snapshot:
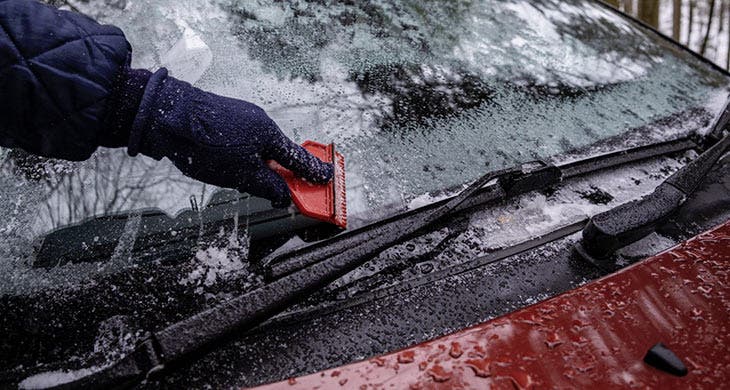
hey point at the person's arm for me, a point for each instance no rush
(66, 87)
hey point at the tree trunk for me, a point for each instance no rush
(677, 20)
(649, 12)
(690, 21)
(612, 3)
(629, 7)
(721, 18)
(703, 48)
(727, 63)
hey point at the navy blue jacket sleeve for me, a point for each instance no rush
(58, 71)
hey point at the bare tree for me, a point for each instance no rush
(677, 20)
(108, 183)
(723, 3)
(690, 22)
(727, 63)
(629, 6)
(711, 12)
(649, 12)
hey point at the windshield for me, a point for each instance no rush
(419, 96)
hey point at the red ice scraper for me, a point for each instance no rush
(324, 202)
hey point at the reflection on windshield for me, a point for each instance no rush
(420, 96)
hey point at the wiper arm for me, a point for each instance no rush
(179, 340)
(527, 177)
(171, 345)
(616, 228)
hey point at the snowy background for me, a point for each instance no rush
(701, 25)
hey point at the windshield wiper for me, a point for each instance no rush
(528, 177)
(179, 340)
(616, 228)
(328, 261)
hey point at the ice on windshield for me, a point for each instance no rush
(419, 97)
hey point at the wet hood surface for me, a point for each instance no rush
(318, 340)
(594, 336)
(418, 112)
(418, 290)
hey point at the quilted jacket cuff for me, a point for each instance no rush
(123, 105)
(147, 104)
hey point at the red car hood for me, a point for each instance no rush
(593, 336)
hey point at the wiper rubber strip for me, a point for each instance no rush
(320, 264)
(176, 342)
(529, 177)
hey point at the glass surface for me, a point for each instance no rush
(420, 96)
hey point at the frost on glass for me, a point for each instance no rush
(424, 96)
(420, 96)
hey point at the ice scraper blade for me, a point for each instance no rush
(324, 202)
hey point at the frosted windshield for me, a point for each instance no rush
(419, 96)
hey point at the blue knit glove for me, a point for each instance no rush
(222, 141)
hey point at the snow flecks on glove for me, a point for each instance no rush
(225, 142)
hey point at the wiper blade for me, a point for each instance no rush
(616, 228)
(179, 340)
(169, 346)
(537, 173)
(528, 177)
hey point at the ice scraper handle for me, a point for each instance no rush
(218, 140)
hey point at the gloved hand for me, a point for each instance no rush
(218, 140)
